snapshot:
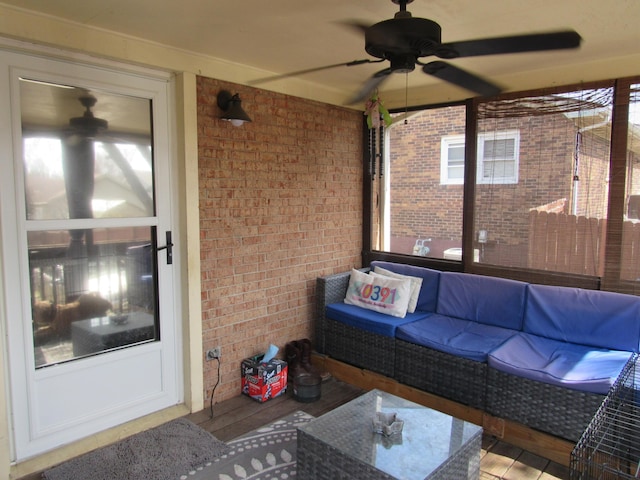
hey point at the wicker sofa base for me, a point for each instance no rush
(449, 376)
(556, 410)
(559, 411)
(359, 347)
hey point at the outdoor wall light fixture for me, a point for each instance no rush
(230, 105)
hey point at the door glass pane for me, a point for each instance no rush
(92, 290)
(87, 154)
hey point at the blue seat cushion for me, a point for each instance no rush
(428, 297)
(369, 320)
(568, 365)
(588, 317)
(459, 337)
(490, 300)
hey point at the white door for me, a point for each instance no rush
(88, 271)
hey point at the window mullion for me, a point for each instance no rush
(469, 191)
(617, 192)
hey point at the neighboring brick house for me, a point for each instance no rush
(424, 203)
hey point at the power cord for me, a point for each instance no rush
(213, 391)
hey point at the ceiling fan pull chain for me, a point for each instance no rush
(406, 98)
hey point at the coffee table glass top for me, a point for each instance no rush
(428, 439)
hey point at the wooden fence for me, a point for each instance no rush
(566, 243)
(575, 244)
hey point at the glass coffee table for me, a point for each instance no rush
(342, 444)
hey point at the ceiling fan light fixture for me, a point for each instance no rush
(88, 125)
(232, 108)
(402, 63)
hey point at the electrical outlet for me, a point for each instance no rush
(213, 353)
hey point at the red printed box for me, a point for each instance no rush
(262, 381)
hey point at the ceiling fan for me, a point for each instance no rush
(404, 40)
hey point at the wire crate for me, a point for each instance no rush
(610, 446)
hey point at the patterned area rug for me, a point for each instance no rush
(267, 453)
(162, 453)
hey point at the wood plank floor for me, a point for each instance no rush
(241, 414)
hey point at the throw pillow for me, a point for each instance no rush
(416, 285)
(379, 293)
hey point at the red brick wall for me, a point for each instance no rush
(280, 204)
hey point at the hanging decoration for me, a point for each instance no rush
(378, 118)
(376, 112)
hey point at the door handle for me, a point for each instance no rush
(168, 247)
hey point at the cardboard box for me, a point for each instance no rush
(262, 381)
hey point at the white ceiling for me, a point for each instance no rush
(281, 36)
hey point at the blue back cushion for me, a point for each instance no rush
(588, 317)
(489, 300)
(428, 298)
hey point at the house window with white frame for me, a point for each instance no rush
(452, 160)
(498, 155)
(497, 163)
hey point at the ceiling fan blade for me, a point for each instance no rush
(462, 78)
(355, 25)
(258, 81)
(370, 85)
(512, 44)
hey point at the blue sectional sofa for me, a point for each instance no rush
(540, 355)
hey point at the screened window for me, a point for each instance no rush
(630, 258)
(556, 195)
(554, 217)
(422, 184)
